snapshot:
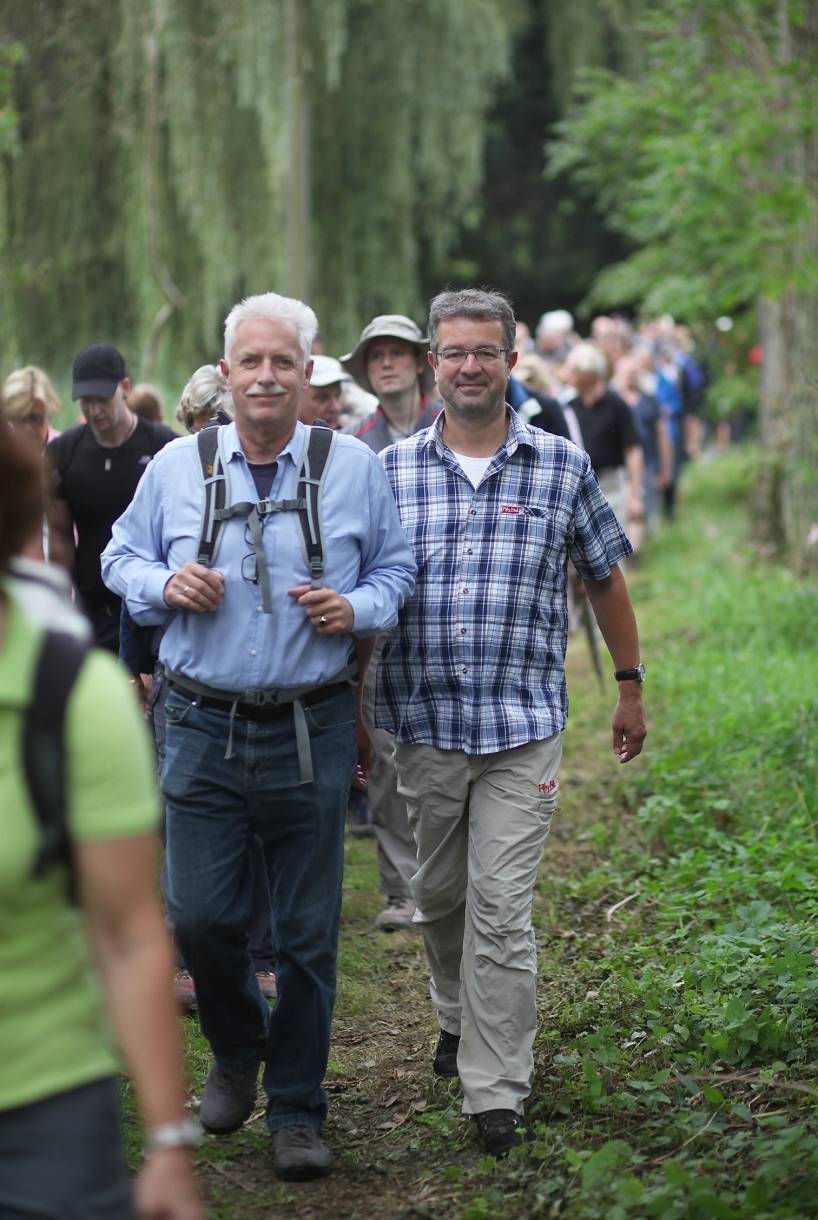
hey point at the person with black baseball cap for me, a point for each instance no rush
(96, 465)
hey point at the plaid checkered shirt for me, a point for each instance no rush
(476, 662)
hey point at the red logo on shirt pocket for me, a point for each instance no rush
(523, 510)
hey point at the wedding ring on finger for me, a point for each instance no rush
(186, 591)
(323, 620)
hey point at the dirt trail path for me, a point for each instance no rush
(402, 1150)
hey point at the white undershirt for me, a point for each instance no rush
(473, 467)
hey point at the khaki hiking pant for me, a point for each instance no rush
(397, 854)
(480, 823)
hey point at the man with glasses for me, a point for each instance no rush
(260, 717)
(390, 362)
(472, 686)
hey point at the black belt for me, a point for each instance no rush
(266, 713)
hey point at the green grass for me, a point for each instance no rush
(677, 929)
(677, 1075)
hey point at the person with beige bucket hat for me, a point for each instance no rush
(390, 361)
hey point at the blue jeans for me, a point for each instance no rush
(214, 808)
(61, 1157)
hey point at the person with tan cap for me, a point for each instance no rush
(390, 361)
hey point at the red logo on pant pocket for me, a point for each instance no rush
(544, 789)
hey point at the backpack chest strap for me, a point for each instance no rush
(255, 514)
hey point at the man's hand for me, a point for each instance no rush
(195, 588)
(364, 755)
(328, 611)
(629, 728)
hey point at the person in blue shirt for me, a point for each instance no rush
(261, 720)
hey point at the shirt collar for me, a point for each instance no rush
(517, 435)
(294, 449)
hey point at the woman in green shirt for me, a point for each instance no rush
(59, 1142)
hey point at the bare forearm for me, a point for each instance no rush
(635, 466)
(136, 968)
(613, 611)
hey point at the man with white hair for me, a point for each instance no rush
(555, 335)
(261, 725)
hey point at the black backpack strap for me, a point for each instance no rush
(215, 494)
(310, 475)
(44, 762)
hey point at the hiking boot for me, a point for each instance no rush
(228, 1099)
(500, 1131)
(299, 1154)
(445, 1060)
(396, 914)
(184, 991)
(266, 983)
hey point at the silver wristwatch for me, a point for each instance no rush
(186, 1133)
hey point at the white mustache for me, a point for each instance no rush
(267, 392)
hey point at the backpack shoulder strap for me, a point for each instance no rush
(44, 762)
(313, 468)
(215, 493)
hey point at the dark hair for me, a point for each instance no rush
(22, 499)
(146, 402)
(482, 304)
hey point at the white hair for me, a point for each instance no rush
(555, 322)
(206, 389)
(278, 309)
(587, 358)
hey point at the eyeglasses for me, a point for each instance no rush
(453, 357)
(249, 563)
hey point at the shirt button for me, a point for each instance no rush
(252, 652)
(469, 551)
(472, 512)
(465, 590)
(465, 669)
(258, 609)
(462, 630)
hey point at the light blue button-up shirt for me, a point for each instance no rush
(237, 646)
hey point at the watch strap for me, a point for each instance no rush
(186, 1133)
(636, 674)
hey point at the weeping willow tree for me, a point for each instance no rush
(173, 155)
(585, 34)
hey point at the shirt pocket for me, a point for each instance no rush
(534, 534)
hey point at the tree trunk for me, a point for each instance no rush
(786, 502)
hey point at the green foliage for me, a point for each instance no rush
(156, 140)
(694, 158)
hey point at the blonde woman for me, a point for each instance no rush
(28, 401)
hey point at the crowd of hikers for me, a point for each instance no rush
(339, 592)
